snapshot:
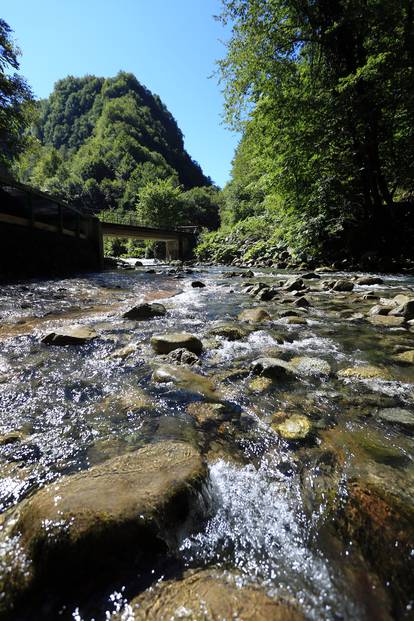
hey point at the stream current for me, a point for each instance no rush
(269, 517)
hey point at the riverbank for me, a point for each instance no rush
(284, 415)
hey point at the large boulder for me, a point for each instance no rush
(145, 311)
(73, 335)
(164, 343)
(126, 509)
(209, 595)
(405, 310)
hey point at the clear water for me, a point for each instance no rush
(266, 522)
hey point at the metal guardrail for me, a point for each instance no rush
(129, 220)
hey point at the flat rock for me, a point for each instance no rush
(398, 416)
(366, 372)
(126, 508)
(74, 335)
(210, 595)
(164, 343)
(145, 311)
(273, 368)
(369, 280)
(254, 315)
(387, 320)
(305, 365)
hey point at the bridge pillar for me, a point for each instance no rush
(172, 250)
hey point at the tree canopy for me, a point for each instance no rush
(100, 141)
(323, 92)
(14, 94)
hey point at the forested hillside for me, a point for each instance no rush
(323, 92)
(99, 141)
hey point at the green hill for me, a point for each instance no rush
(99, 141)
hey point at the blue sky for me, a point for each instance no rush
(170, 45)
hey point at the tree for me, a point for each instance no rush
(14, 94)
(161, 204)
(323, 92)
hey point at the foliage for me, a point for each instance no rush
(15, 98)
(323, 93)
(103, 143)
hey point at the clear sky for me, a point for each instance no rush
(170, 45)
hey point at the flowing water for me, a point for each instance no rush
(271, 502)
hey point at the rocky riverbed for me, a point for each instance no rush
(185, 442)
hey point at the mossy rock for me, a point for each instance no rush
(365, 373)
(296, 427)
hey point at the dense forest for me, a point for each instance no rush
(324, 94)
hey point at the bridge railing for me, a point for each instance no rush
(114, 217)
(22, 205)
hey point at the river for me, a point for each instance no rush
(278, 507)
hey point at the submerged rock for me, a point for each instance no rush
(296, 427)
(183, 356)
(260, 384)
(273, 368)
(367, 372)
(124, 352)
(74, 335)
(254, 315)
(210, 595)
(190, 381)
(207, 414)
(397, 416)
(145, 311)
(126, 509)
(165, 343)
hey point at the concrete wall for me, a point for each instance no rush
(27, 252)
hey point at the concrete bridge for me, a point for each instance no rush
(42, 235)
